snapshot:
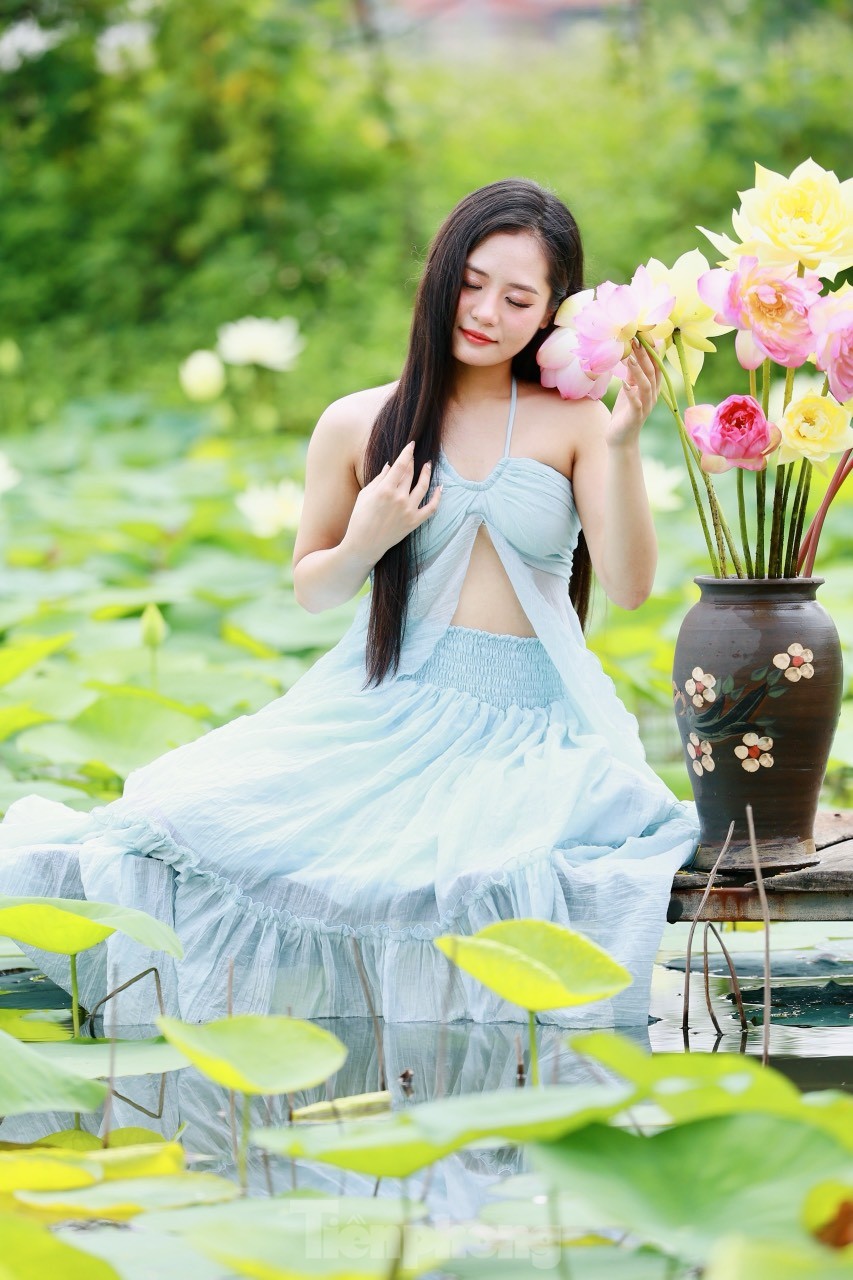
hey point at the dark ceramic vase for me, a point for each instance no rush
(757, 685)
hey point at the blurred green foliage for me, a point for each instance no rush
(276, 157)
(267, 157)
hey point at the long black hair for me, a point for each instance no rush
(417, 407)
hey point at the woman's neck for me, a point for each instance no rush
(473, 384)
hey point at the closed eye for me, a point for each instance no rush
(521, 305)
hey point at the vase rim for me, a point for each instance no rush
(709, 580)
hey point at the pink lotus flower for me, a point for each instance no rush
(734, 434)
(558, 360)
(768, 305)
(831, 321)
(607, 326)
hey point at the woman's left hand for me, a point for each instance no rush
(636, 397)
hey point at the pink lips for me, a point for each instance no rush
(473, 336)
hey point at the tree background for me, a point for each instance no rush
(168, 166)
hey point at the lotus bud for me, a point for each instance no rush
(153, 626)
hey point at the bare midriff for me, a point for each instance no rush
(487, 599)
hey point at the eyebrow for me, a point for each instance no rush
(527, 288)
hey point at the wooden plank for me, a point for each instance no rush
(833, 874)
(822, 892)
(832, 826)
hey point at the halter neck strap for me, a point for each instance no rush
(512, 404)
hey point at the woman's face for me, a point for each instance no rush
(504, 298)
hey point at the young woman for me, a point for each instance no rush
(459, 757)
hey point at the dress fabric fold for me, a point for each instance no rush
(323, 842)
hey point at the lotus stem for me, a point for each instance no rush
(690, 455)
(809, 547)
(773, 557)
(75, 997)
(760, 520)
(720, 525)
(780, 497)
(795, 529)
(761, 476)
(744, 536)
(243, 1161)
(534, 1053)
(765, 386)
(678, 339)
(751, 566)
(765, 915)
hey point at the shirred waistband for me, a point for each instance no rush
(502, 669)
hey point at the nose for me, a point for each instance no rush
(484, 310)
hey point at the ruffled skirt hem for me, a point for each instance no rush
(306, 967)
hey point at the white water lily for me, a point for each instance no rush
(9, 477)
(26, 41)
(125, 46)
(662, 485)
(273, 344)
(690, 314)
(202, 375)
(270, 508)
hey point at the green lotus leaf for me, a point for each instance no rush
(124, 1198)
(537, 964)
(304, 1207)
(68, 926)
(31, 1082)
(695, 1085)
(98, 1059)
(739, 1258)
(14, 719)
(682, 1189)
(82, 1140)
(21, 655)
(140, 1254)
(123, 730)
(346, 1251)
(399, 1145)
(31, 1252)
(518, 1115)
(45, 1170)
(20, 1024)
(258, 1054)
(536, 1254)
(385, 1147)
(132, 1136)
(70, 1140)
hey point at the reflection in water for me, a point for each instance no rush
(455, 1059)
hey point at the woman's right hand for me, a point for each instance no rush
(388, 508)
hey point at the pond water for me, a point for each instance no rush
(424, 1060)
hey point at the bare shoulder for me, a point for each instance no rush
(559, 430)
(345, 424)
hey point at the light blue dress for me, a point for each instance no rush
(323, 842)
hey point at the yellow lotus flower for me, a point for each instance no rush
(807, 217)
(813, 427)
(693, 317)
